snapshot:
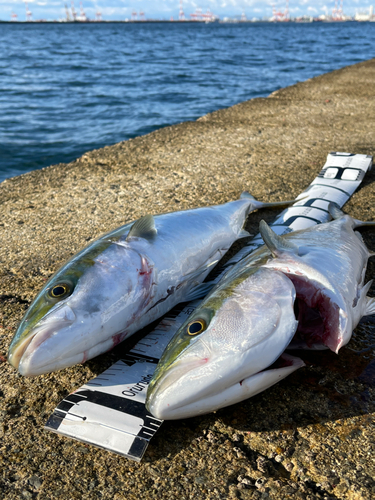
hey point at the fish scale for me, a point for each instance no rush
(123, 281)
(308, 284)
(122, 431)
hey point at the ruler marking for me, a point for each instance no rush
(75, 398)
(154, 418)
(334, 187)
(137, 363)
(77, 416)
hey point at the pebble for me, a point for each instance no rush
(35, 481)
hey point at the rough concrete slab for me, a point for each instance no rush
(312, 435)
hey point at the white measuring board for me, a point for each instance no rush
(109, 411)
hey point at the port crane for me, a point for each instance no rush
(74, 13)
(29, 16)
(67, 13)
(278, 16)
(337, 11)
(198, 15)
(181, 15)
(82, 14)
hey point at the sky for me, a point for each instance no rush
(165, 9)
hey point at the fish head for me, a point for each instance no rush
(241, 328)
(47, 314)
(82, 311)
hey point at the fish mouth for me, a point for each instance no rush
(15, 354)
(240, 390)
(22, 354)
(166, 380)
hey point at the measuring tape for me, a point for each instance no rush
(109, 411)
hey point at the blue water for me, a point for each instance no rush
(69, 88)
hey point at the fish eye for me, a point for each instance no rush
(60, 291)
(196, 326)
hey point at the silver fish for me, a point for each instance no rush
(123, 281)
(308, 284)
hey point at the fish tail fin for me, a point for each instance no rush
(263, 204)
(360, 223)
(336, 213)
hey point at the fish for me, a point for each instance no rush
(306, 285)
(123, 281)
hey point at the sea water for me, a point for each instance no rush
(70, 88)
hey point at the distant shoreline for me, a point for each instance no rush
(112, 21)
(177, 21)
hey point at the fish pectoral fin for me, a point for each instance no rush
(299, 344)
(370, 306)
(198, 272)
(368, 302)
(198, 292)
(143, 228)
(275, 243)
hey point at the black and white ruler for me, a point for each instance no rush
(109, 411)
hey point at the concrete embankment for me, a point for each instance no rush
(312, 435)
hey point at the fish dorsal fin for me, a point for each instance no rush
(143, 228)
(247, 196)
(275, 243)
(244, 234)
(335, 211)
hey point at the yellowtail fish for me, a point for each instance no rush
(123, 281)
(307, 284)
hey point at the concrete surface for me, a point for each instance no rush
(312, 435)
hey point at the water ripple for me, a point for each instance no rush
(66, 89)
